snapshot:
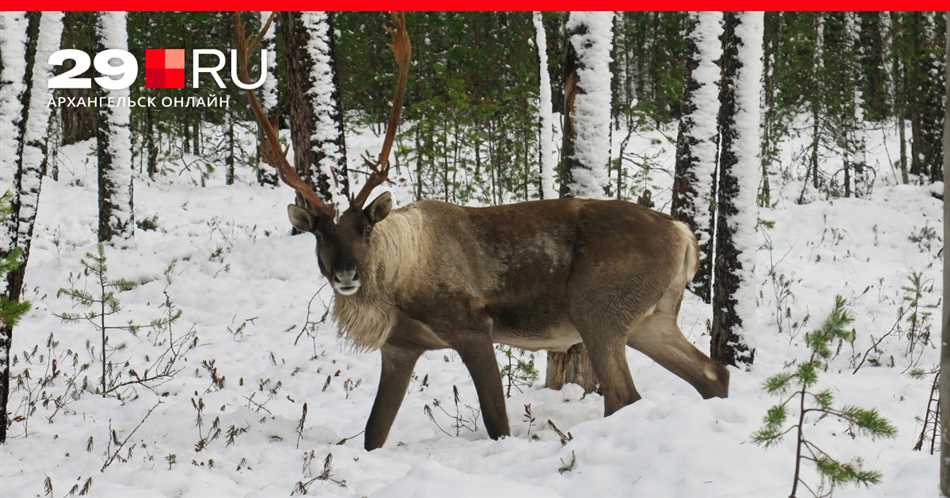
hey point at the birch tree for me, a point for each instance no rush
(734, 294)
(113, 141)
(316, 118)
(697, 142)
(585, 148)
(546, 137)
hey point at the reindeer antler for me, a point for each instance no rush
(288, 174)
(402, 52)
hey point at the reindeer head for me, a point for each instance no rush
(342, 243)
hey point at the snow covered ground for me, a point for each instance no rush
(244, 285)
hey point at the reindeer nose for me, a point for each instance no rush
(346, 276)
(346, 282)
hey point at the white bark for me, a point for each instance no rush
(547, 132)
(591, 38)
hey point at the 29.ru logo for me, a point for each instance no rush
(164, 68)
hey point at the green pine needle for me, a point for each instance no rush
(808, 373)
(869, 422)
(778, 383)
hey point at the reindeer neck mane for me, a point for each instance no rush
(398, 245)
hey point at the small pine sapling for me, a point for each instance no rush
(799, 386)
(10, 310)
(518, 370)
(919, 315)
(101, 309)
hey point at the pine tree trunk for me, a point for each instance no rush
(545, 120)
(28, 86)
(698, 140)
(872, 64)
(113, 143)
(35, 130)
(769, 147)
(229, 174)
(267, 175)
(584, 166)
(857, 148)
(316, 121)
(14, 92)
(925, 103)
(733, 296)
(151, 147)
(816, 99)
(945, 348)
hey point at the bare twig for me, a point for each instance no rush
(118, 448)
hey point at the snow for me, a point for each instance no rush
(112, 33)
(591, 37)
(748, 166)
(705, 115)
(548, 190)
(325, 106)
(236, 262)
(37, 123)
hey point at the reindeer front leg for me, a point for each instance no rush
(398, 363)
(479, 357)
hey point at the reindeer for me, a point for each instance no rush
(535, 275)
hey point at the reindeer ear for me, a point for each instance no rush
(379, 208)
(301, 219)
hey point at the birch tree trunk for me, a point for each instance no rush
(697, 141)
(113, 142)
(546, 138)
(734, 307)
(585, 149)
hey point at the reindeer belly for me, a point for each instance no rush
(556, 338)
(533, 328)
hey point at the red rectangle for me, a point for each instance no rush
(164, 68)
